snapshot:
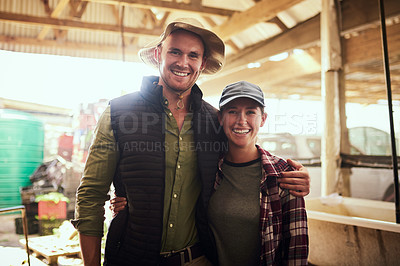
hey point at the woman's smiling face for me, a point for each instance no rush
(241, 120)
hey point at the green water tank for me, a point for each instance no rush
(21, 152)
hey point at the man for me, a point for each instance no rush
(160, 148)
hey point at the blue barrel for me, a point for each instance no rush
(21, 152)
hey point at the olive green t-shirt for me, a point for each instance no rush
(234, 214)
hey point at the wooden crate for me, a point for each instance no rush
(52, 247)
(65, 243)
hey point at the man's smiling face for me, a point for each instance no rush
(181, 59)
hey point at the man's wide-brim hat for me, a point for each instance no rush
(214, 46)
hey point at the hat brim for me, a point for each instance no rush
(214, 46)
(228, 100)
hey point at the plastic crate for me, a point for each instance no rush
(46, 226)
(31, 209)
(52, 210)
(33, 226)
(27, 195)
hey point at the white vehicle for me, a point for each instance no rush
(372, 178)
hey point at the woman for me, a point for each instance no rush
(253, 220)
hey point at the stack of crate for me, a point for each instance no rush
(70, 184)
(31, 209)
(51, 215)
(52, 211)
(28, 197)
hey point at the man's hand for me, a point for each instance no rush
(298, 181)
(117, 204)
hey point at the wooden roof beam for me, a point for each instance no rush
(115, 12)
(366, 46)
(78, 7)
(304, 35)
(374, 82)
(163, 20)
(394, 72)
(278, 23)
(307, 34)
(54, 14)
(170, 6)
(196, 3)
(212, 23)
(260, 12)
(73, 24)
(362, 14)
(269, 73)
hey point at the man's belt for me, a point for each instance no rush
(180, 257)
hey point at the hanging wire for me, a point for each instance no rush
(389, 96)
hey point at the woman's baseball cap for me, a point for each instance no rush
(241, 89)
(214, 46)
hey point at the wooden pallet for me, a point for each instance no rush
(51, 247)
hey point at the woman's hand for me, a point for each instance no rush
(298, 181)
(117, 204)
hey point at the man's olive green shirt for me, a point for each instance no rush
(182, 185)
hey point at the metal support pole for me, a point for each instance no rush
(25, 228)
(24, 224)
(389, 96)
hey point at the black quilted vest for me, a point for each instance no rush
(137, 119)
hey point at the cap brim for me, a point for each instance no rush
(226, 101)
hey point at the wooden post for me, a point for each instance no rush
(331, 68)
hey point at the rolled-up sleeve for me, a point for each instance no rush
(96, 180)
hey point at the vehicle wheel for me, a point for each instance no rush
(389, 194)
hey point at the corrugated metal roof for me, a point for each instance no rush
(300, 12)
(97, 33)
(133, 17)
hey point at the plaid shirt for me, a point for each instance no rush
(283, 218)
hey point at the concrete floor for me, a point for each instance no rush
(8, 237)
(12, 253)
